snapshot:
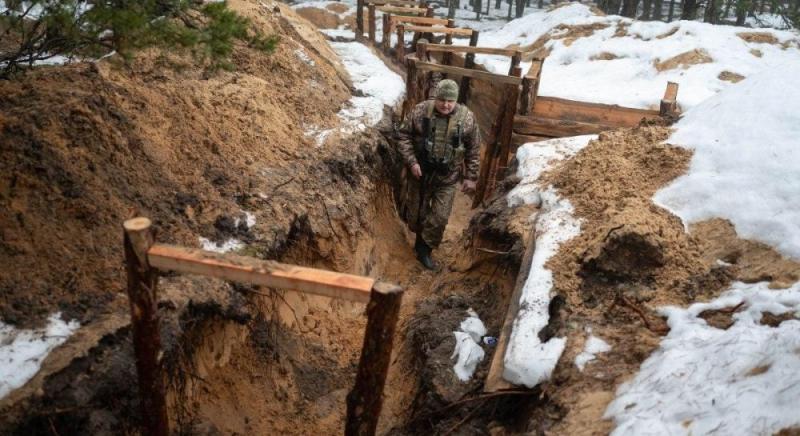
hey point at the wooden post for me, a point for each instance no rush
(371, 9)
(359, 20)
(469, 62)
(530, 88)
(515, 60)
(401, 44)
(422, 50)
(142, 281)
(447, 57)
(411, 87)
(669, 104)
(364, 402)
(387, 35)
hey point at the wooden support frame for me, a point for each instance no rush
(386, 39)
(142, 294)
(144, 259)
(530, 87)
(443, 30)
(400, 50)
(469, 63)
(470, 49)
(397, 19)
(359, 20)
(402, 10)
(464, 72)
(409, 3)
(371, 22)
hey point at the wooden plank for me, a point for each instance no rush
(371, 18)
(261, 272)
(365, 401)
(400, 49)
(535, 125)
(438, 29)
(417, 20)
(469, 63)
(669, 104)
(519, 139)
(386, 41)
(401, 10)
(609, 115)
(467, 49)
(359, 19)
(393, 3)
(494, 380)
(463, 72)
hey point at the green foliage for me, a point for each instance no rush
(41, 29)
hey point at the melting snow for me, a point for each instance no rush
(593, 346)
(226, 246)
(23, 351)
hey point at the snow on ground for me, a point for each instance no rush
(706, 380)
(224, 247)
(23, 351)
(591, 349)
(632, 78)
(528, 361)
(468, 352)
(746, 164)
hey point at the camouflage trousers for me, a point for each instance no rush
(437, 203)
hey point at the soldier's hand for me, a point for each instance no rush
(468, 186)
(416, 170)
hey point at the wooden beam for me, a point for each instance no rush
(443, 30)
(393, 2)
(417, 20)
(469, 63)
(530, 87)
(400, 49)
(494, 380)
(467, 49)
(261, 272)
(605, 114)
(534, 125)
(401, 10)
(359, 19)
(371, 18)
(386, 41)
(142, 284)
(518, 139)
(475, 74)
(669, 104)
(365, 401)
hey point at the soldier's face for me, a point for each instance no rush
(444, 107)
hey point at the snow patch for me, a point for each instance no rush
(703, 380)
(592, 348)
(226, 246)
(303, 56)
(23, 351)
(746, 165)
(527, 360)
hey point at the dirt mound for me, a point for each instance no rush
(730, 76)
(338, 8)
(604, 56)
(683, 60)
(321, 18)
(758, 37)
(86, 146)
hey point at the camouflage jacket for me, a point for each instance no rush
(412, 138)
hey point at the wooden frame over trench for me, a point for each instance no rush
(145, 259)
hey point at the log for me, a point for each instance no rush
(418, 20)
(401, 10)
(260, 272)
(478, 50)
(475, 74)
(359, 19)
(469, 63)
(400, 50)
(518, 139)
(443, 30)
(411, 87)
(605, 114)
(365, 401)
(386, 41)
(393, 2)
(447, 58)
(142, 283)
(372, 24)
(669, 104)
(515, 60)
(535, 125)
(494, 380)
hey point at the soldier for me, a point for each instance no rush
(439, 138)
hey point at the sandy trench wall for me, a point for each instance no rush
(85, 146)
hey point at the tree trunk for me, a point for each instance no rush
(477, 7)
(671, 10)
(451, 8)
(541, 4)
(520, 8)
(497, 4)
(629, 8)
(728, 5)
(613, 7)
(648, 6)
(710, 15)
(689, 11)
(658, 13)
(741, 11)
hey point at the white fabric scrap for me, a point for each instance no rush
(468, 350)
(593, 346)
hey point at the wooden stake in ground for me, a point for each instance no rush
(142, 281)
(364, 402)
(469, 63)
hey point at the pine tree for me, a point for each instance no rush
(43, 29)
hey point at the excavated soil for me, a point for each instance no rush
(683, 60)
(632, 257)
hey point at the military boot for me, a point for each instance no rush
(424, 254)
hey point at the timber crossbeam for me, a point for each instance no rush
(145, 259)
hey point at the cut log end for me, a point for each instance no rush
(137, 224)
(387, 288)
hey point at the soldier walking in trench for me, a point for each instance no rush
(438, 140)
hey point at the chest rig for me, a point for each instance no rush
(441, 147)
